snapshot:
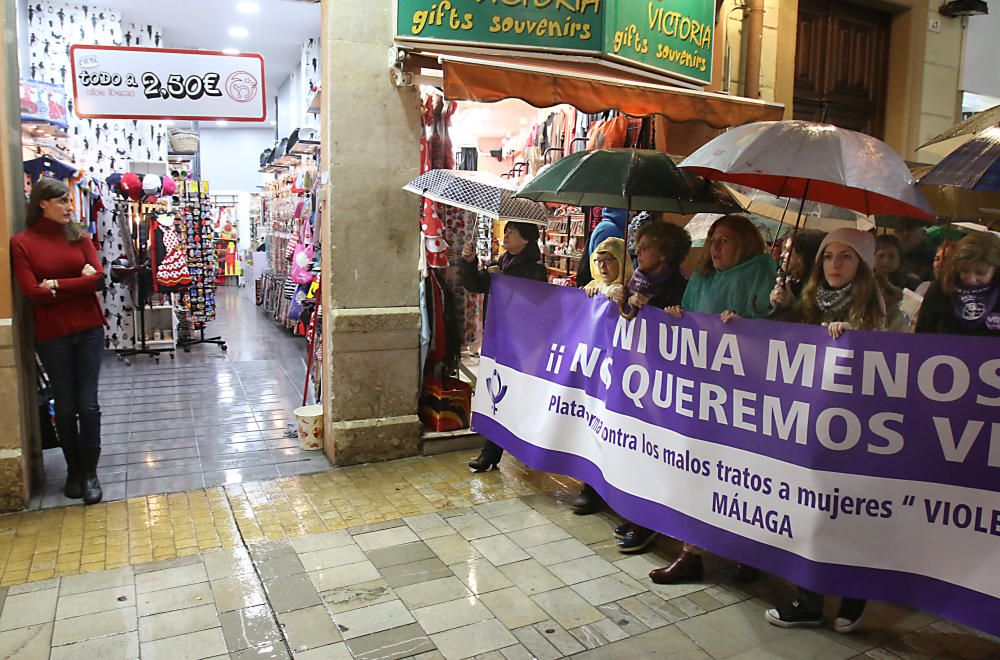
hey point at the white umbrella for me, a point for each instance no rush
(816, 162)
(478, 192)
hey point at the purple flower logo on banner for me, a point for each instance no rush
(496, 388)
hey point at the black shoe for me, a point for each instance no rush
(587, 502)
(849, 617)
(622, 529)
(91, 485)
(73, 488)
(745, 574)
(795, 615)
(483, 464)
(636, 540)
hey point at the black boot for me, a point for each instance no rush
(73, 489)
(488, 458)
(587, 502)
(89, 456)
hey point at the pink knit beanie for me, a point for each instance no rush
(861, 242)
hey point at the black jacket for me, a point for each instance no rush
(671, 294)
(937, 315)
(478, 281)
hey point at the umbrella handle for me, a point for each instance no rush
(768, 313)
(629, 315)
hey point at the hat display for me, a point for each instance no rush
(132, 186)
(151, 187)
(115, 183)
(169, 187)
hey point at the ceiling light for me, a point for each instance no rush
(248, 7)
(222, 123)
(231, 51)
(239, 32)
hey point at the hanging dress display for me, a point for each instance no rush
(170, 267)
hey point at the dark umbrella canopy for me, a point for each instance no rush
(636, 179)
(974, 166)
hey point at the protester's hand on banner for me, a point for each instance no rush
(729, 315)
(617, 294)
(837, 328)
(675, 311)
(493, 269)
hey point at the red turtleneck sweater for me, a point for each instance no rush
(42, 252)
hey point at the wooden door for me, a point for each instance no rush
(841, 59)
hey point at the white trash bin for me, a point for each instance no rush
(309, 424)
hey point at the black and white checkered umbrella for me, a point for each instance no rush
(478, 192)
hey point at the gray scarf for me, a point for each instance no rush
(834, 301)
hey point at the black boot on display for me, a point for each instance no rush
(587, 502)
(73, 489)
(89, 456)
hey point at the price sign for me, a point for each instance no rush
(113, 82)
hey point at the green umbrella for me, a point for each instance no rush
(632, 179)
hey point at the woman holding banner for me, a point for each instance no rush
(660, 249)
(966, 299)
(735, 275)
(521, 258)
(842, 294)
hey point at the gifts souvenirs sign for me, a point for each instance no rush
(675, 36)
(114, 82)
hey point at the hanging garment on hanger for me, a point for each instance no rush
(232, 263)
(169, 262)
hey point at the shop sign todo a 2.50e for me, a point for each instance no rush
(114, 82)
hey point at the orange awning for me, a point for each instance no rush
(593, 87)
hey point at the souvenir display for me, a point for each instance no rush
(194, 220)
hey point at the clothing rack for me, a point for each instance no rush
(139, 248)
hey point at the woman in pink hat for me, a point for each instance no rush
(842, 294)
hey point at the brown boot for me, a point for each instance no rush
(686, 568)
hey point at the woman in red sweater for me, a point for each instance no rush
(57, 269)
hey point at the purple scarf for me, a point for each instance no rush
(972, 305)
(651, 284)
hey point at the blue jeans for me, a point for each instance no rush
(73, 363)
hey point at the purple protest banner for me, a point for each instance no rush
(867, 466)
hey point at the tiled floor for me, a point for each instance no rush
(510, 578)
(37, 545)
(205, 418)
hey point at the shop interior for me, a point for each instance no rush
(209, 328)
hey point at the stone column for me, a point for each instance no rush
(16, 369)
(371, 240)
